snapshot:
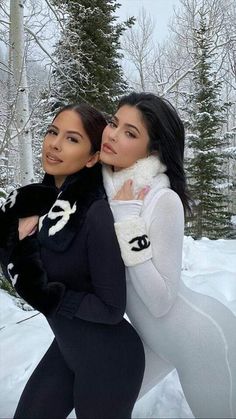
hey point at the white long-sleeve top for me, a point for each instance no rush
(150, 233)
(155, 280)
(180, 328)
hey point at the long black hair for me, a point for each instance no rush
(166, 136)
(93, 122)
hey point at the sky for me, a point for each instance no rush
(160, 10)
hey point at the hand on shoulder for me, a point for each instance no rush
(126, 192)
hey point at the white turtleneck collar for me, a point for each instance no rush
(145, 172)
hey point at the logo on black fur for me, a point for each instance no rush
(12, 274)
(60, 211)
(142, 242)
(10, 201)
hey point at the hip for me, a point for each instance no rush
(79, 339)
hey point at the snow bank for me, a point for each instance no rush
(208, 267)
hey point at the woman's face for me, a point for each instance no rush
(125, 138)
(66, 147)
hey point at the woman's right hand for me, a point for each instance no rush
(126, 192)
(27, 226)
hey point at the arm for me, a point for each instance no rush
(26, 272)
(107, 303)
(156, 278)
(24, 202)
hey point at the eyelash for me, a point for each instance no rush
(112, 124)
(73, 140)
(130, 134)
(52, 132)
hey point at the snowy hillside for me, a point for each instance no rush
(208, 267)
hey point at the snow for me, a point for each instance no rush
(208, 267)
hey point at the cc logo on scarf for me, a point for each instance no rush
(142, 242)
(60, 211)
(10, 201)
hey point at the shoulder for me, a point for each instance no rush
(166, 203)
(100, 204)
(99, 212)
(165, 197)
(170, 199)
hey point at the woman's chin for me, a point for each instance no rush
(104, 158)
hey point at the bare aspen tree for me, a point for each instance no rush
(138, 47)
(22, 114)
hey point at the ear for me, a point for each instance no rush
(93, 159)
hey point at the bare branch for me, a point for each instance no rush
(193, 67)
(56, 15)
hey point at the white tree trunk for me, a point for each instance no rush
(20, 81)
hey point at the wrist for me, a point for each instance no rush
(123, 210)
(133, 239)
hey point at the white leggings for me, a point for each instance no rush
(197, 337)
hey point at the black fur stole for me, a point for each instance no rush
(63, 220)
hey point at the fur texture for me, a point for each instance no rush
(32, 199)
(64, 219)
(30, 280)
(24, 264)
(130, 229)
(145, 172)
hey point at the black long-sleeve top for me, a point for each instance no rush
(84, 254)
(92, 270)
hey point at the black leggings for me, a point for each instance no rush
(98, 372)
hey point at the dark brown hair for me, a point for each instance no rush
(93, 122)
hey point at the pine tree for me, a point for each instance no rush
(88, 53)
(206, 162)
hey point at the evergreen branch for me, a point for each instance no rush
(49, 55)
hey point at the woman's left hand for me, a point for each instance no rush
(27, 226)
(126, 193)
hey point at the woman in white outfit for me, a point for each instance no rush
(142, 151)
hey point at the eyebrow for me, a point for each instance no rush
(68, 132)
(127, 125)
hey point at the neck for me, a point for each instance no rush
(145, 172)
(59, 180)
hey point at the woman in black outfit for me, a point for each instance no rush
(71, 270)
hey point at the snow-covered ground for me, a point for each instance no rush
(208, 267)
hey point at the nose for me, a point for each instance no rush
(56, 142)
(113, 135)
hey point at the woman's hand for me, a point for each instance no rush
(126, 192)
(26, 271)
(27, 226)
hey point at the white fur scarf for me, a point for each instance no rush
(145, 172)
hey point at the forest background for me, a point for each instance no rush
(57, 51)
